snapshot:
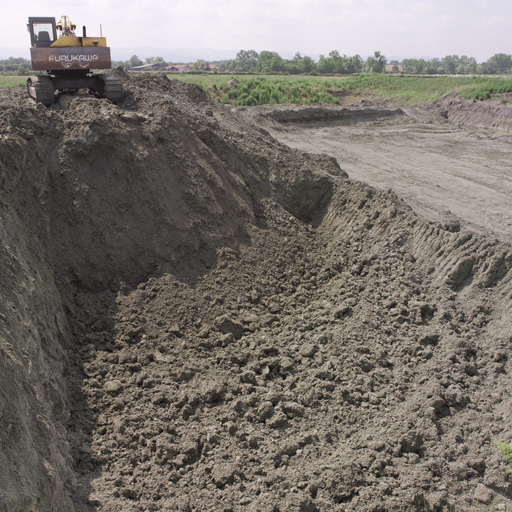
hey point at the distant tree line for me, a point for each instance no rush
(159, 63)
(15, 65)
(134, 61)
(272, 62)
(337, 64)
(500, 63)
(267, 62)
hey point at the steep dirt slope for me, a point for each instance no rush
(196, 317)
(489, 114)
(35, 461)
(93, 196)
(360, 365)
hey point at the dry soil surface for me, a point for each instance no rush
(196, 317)
(434, 157)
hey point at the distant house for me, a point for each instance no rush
(179, 68)
(155, 66)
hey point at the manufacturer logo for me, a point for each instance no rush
(72, 58)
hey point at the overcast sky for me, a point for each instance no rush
(404, 28)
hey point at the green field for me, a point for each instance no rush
(413, 90)
(264, 89)
(12, 81)
(210, 79)
(425, 89)
(267, 89)
(303, 89)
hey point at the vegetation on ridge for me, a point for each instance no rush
(243, 89)
(260, 91)
(414, 90)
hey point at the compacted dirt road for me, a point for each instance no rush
(444, 171)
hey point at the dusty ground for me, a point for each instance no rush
(445, 170)
(196, 317)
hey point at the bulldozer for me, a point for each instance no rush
(68, 61)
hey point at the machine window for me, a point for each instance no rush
(43, 32)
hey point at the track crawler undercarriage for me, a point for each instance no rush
(42, 88)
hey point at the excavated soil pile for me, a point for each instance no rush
(280, 117)
(494, 114)
(195, 317)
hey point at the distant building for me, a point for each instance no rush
(155, 66)
(179, 68)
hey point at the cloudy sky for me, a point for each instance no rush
(403, 28)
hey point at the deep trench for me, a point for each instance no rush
(196, 317)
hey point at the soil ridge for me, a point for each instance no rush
(198, 317)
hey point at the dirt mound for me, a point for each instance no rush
(196, 317)
(324, 115)
(166, 180)
(489, 114)
(93, 195)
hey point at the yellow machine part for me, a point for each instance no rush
(66, 42)
(74, 41)
(94, 42)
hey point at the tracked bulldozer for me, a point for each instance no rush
(68, 61)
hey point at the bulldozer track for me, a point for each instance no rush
(40, 88)
(113, 88)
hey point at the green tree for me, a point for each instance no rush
(434, 67)
(500, 63)
(23, 70)
(325, 65)
(155, 60)
(472, 65)
(308, 64)
(408, 65)
(246, 60)
(295, 66)
(158, 62)
(201, 65)
(355, 64)
(377, 63)
(135, 61)
(227, 65)
(337, 61)
(466, 65)
(420, 66)
(450, 63)
(269, 62)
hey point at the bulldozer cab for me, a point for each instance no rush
(43, 32)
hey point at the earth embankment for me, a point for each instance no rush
(93, 196)
(197, 317)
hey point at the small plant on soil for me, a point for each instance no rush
(506, 450)
(493, 508)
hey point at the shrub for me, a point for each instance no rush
(506, 450)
